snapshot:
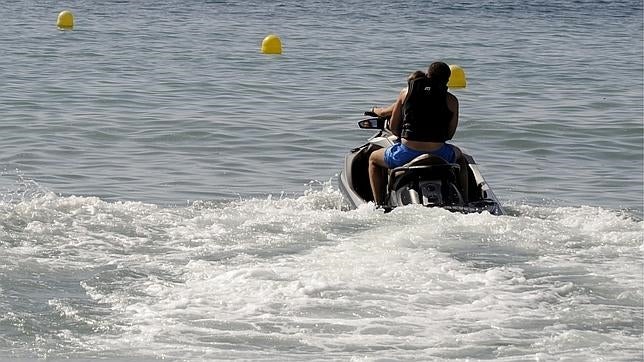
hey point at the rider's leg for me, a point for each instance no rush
(377, 174)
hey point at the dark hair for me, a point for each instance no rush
(415, 75)
(438, 74)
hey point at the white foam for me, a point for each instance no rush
(301, 274)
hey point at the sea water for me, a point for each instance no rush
(169, 192)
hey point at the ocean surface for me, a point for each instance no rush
(169, 192)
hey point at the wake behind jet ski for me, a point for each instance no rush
(426, 180)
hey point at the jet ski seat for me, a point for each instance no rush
(425, 163)
(455, 174)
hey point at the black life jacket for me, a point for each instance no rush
(426, 116)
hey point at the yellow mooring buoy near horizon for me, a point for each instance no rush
(65, 20)
(272, 44)
(457, 79)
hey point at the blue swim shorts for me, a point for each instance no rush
(399, 154)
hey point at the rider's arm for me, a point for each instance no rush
(395, 122)
(452, 104)
(383, 111)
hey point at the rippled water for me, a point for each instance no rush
(166, 191)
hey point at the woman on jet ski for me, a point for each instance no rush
(386, 112)
(424, 116)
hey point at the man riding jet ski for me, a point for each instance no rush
(409, 161)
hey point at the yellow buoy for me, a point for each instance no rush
(457, 79)
(272, 45)
(65, 20)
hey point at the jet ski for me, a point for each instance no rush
(426, 180)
